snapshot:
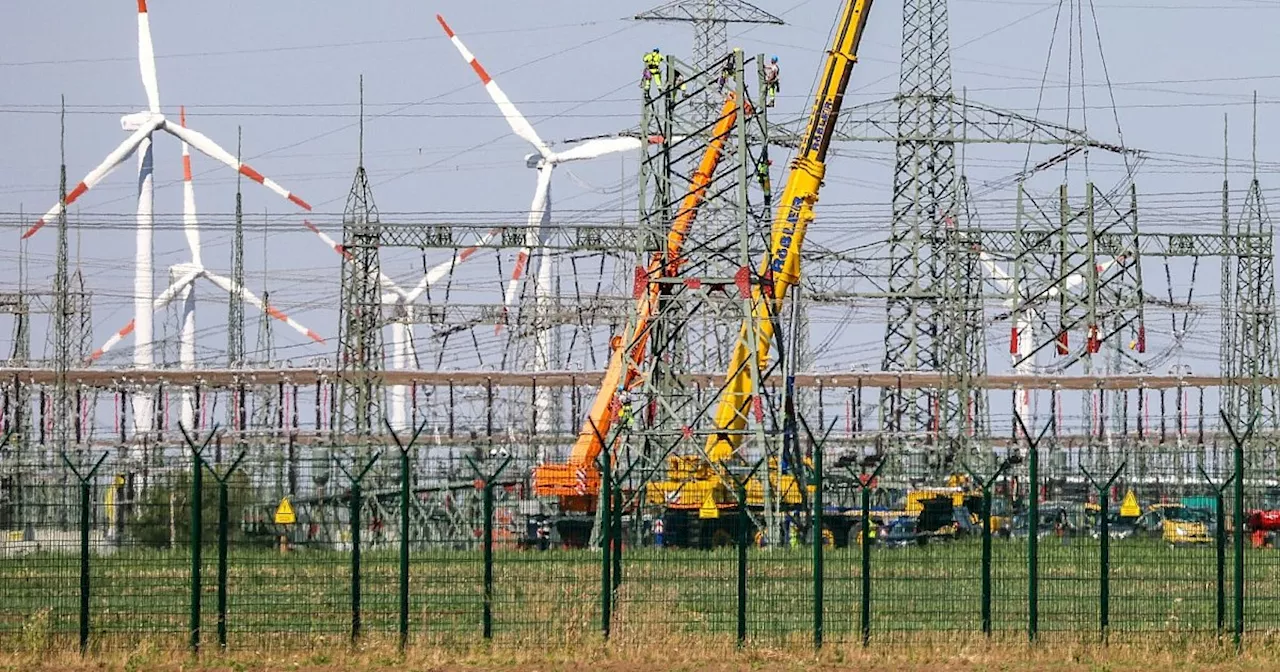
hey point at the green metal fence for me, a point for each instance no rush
(417, 543)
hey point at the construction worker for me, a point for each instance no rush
(762, 174)
(680, 83)
(625, 413)
(771, 81)
(726, 71)
(652, 70)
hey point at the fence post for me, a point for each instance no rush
(404, 526)
(487, 481)
(864, 487)
(743, 522)
(819, 572)
(197, 522)
(865, 548)
(354, 513)
(1033, 526)
(1104, 554)
(618, 535)
(606, 542)
(1238, 515)
(986, 484)
(86, 492)
(1220, 546)
(224, 515)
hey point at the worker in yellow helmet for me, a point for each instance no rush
(652, 69)
(771, 84)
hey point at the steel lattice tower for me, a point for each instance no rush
(924, 208)
(1248, 346)
(359, 336)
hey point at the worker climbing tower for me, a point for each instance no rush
(710, 19)
(359, 400)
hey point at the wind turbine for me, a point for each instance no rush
(397, 302)
(143, 124)
(184, 287)
(544, 161)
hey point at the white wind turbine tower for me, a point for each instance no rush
(143, 125)
(545, 162)
(399, 303)
(1025, 320)
(184, 286)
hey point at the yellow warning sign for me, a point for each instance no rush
(709, 508)
(1129, 507)
(284, 513)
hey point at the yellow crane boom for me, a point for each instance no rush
(781, 266)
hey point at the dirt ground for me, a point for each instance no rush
(953, 657)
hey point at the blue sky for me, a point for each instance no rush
(287, 72)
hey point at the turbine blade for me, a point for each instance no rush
(594, 148)
(337, 247)
(113, 161)
(1074, 280)
(111, 342)
(387, 283)
(160, 302)
(232, 288)
(537, 212)
(209, 148)
(147, 59)
(518, 123)
(439, 271)
(190, 225)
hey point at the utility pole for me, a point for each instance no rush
(63, 409)
(235, 306)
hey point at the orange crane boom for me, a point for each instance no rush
(579, 477)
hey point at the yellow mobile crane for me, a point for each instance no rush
(688, 483)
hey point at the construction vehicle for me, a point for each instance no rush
(1263, 524)
(961, 492)
(699, 483)
(577, 483)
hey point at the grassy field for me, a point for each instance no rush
(953, 655)
(543, 600)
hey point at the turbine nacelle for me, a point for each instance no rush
(132, 122)
(184, 269)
